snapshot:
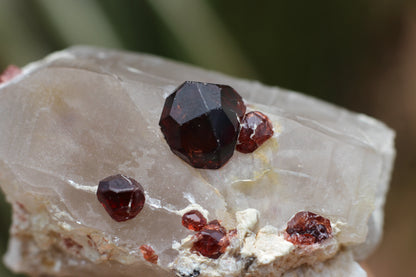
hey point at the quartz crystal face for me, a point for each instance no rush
(201, 123)
(85, 113)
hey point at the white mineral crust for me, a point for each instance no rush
(83, 114)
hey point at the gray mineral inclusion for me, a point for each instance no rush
(85, 113)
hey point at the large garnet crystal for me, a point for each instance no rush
(201, 123)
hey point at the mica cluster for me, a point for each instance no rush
(304, 197)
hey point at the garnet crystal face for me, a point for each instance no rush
(256, 128)
(211, 241)
(308, 228)
(194, 220)
(122, 197)
(201, 123)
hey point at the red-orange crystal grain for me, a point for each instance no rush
(307, 228)
(194, 220)
(256, 128)
(211, 241)
(149, 254)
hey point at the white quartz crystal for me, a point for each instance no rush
(84, 113)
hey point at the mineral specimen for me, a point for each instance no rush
(85, 113)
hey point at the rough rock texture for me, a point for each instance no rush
(83, 114)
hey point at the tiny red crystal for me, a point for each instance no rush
(122, 197)
(201, 123)
(149, 254)
(256, 128)
(194, 220)
(211, 241)
(9, 73)
(307, 228)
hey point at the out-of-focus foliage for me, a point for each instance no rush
(304, 45)
(330, 49)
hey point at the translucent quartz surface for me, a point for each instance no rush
(83, 114)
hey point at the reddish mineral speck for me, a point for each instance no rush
(232, 233)
(122, 197)
(307, 228)
(194, 220)
(211, 241)
(149, 254)
(70, 244)
(256, 128)
(9, 73)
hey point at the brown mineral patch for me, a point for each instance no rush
(73, 245)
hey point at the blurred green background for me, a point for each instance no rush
(358, 54)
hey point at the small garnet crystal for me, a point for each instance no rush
(122, 197)
(211, 241)
(9, 73)
(256, 128)
(194, 220)
(149, 254)
(308, 228)
(201, 123)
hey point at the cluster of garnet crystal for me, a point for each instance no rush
(202, 123)
(308, 228)
(211, 239)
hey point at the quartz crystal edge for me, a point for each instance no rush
(275, 92)
(386, 145)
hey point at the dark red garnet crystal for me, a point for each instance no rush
(307, 228)
(122, 197)
(201, 123)
(194, 220)
(256, 128)
(211, 241)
